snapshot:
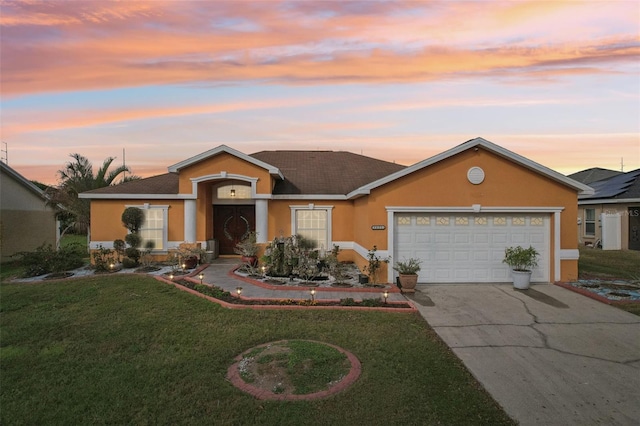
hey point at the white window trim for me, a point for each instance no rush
(312, 206)
(584, 229)
(165, 221)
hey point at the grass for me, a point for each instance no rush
(130, 350)
(609, 264)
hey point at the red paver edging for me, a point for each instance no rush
(391, 288)
(411, 308)
(593, 295)
(233, 375)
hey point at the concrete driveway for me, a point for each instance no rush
(549, 356)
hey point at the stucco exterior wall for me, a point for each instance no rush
(25, 220)
(445, 184)
(227, 163)
(621, 209)
(106, 223)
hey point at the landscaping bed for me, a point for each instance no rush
(227, 297)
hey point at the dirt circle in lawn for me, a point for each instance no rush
(294, 370)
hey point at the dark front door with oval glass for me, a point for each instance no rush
(232, 224)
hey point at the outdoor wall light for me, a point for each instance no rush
(238, 291)
(313, 294)
(385, 294)
(201, 276)
(233, 193)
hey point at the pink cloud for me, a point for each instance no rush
(125, 44)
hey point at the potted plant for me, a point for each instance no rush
(248, 249)
(522, 261)
(408, 273)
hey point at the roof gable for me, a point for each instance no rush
(224, 149)
(593, 174)
(473, 143)
(22, 180)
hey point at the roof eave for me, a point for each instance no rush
(24, 181)
(585, 202)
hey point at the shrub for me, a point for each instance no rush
(132, 219)
(133, 254)
(119, 246)
(134, 240)
(129, 263)
(103, 258)
(46, 259)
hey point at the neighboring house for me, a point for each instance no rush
(26, 221)
(457, 211)
(610, 217)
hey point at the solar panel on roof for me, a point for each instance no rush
(613, 186)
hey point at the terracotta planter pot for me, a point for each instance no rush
(250, 260)
(408, 283)
(190, 262)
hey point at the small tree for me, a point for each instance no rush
(374, 264)
(132, 219)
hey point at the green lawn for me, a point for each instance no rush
(132, 350)
(595, 263)
(611, 264)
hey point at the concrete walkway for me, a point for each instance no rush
(217, 273)
(549, 356)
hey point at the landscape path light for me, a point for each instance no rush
(313, 294)
(385, 294)
(201, 276)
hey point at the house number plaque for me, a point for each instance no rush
(378, 227)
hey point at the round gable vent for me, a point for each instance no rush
(475, 175)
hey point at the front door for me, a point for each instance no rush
(231, 224)
(634, 228)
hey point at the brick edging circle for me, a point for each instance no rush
(233, 375)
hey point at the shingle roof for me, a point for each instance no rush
(619, 187)
(324, 172)
(161, 184)
(593, 174)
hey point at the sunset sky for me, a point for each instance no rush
(555, 81)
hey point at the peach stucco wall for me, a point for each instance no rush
(106, 223)
(225, 163)
(445, 184)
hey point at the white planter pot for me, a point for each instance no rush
(521, 279)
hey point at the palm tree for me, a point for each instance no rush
(76, 177)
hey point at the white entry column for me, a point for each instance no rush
(262, 220)
(190, 221)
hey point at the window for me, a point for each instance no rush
(590, 222)
(154, 226)
(233, 192)
(313, 223)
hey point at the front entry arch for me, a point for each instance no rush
(231, 224)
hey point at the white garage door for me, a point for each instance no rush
(456, 248)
